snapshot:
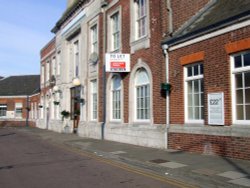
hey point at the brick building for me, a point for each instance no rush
(19, 98)
(166, 42)
(209, 71)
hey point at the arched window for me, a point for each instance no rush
(142, 91)
(116, 97)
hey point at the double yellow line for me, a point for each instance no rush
(154, 176)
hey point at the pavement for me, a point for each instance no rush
(193, 169)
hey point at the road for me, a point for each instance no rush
(27, 161)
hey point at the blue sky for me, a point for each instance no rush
(25, 27)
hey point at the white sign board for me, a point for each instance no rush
(216, 108)
(117, 62)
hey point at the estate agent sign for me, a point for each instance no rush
(117, 62)
(216, 108)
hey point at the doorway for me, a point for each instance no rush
(75, 107)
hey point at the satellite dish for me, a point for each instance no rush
(93, 58)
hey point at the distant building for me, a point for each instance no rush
(19, 98)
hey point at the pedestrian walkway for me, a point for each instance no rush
(200, 170)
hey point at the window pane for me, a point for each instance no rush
(190, 113)
(247, 79)
(202, 85)
(196, 70)
(237, 61)
(190, 87)
(238, 80)
(247, 59)
(196, 113)
(196, 86)
(202, 99)
(201, 68)
(240, 115)
(189, 69)
(190, 100)
(196, 99)
(202, 113)
(239, 96)
(247, 96)
(247, 112)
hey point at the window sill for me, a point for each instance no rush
(142, 43)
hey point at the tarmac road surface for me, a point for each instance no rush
(27, 161)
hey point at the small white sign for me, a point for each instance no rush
(216, 108)
(117, 62)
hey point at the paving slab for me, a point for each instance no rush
(205, 171)
(172, 165)
(241, 181)
(232, 175)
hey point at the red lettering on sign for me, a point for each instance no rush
(117, 64)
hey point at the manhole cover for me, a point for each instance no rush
(5, 167)
(158, 161)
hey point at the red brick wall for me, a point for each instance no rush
(216, 73)
(48, 48)
(153, 56)
(234, 147)
(16, 123)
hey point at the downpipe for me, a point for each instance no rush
(165, 50)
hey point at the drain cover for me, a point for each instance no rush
(5, 167)
(158, 161)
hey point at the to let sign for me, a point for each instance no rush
(216, 108)
(117, 62)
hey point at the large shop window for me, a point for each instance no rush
(142, 87)
(241, 88)
(3, 110)
(116, 97)
(194, 93)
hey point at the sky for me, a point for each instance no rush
(25, 28)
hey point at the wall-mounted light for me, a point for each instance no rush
(76, 82)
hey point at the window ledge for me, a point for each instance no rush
(142, 43)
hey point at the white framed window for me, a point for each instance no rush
(140, 38)
(53, 62)
(76, 58)
(3, 110)
(93, 95)
(116, 97)
(42, 74)
(18, 110)
(58, 63)
(94, 39)
(47, 70)
(115, 31)
(141, 18)
(240, 66)
(142, 94)
(194, 93)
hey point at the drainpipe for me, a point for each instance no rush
(104, 4)
(165, 50)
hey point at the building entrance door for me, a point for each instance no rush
(75, 107)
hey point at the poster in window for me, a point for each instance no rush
(216, 108)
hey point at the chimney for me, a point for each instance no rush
(70, 2)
